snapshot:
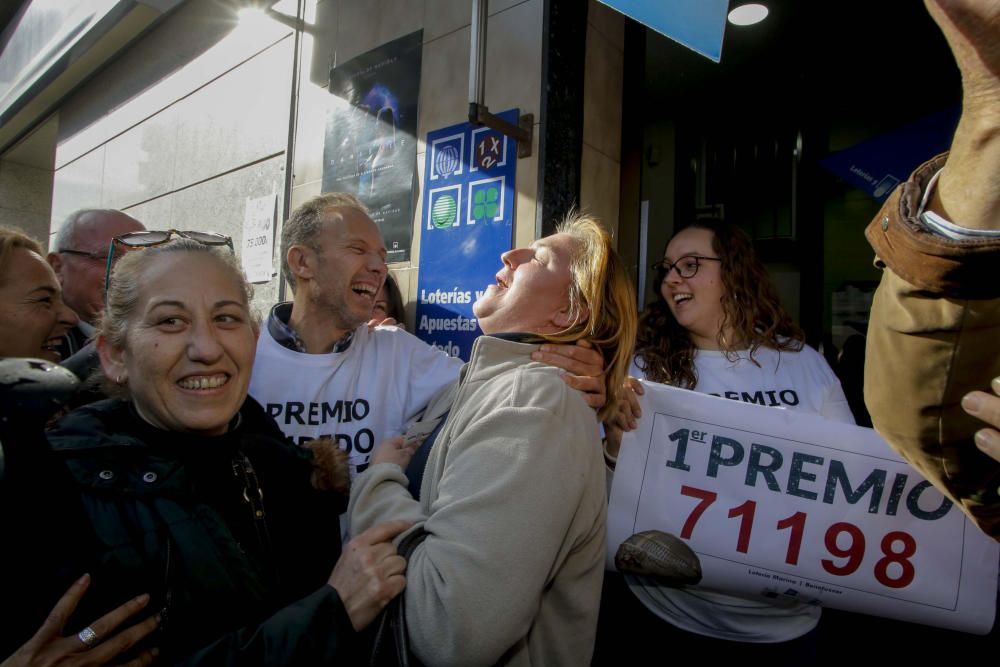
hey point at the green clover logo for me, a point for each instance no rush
(486, 203)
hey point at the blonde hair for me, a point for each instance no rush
(602, 301)
(306, 222)
(12, 238)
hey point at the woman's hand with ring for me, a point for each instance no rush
(94, 645)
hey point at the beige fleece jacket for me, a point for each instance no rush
(513, 499)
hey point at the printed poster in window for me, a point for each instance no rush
(370, 148)
(258, 238)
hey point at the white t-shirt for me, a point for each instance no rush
(797, 380)
(801, 380)
(369, 392)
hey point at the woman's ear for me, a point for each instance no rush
(564, 319)
(112, 361)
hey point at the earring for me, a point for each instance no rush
(118, 379)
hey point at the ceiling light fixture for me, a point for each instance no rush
(748, 14)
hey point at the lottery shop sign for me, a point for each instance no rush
(790, 506)
(468, 208)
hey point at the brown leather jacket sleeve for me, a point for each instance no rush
(934, 335)
(964, 269)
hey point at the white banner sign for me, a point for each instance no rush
(258, 238)
(786, 505)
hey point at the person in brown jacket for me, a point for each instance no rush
(935, 322)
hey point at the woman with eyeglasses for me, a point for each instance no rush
(718, 327)
(194, 495)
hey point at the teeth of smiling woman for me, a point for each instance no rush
(204, 382)
(681, 297)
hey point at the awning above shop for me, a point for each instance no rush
(51, 46)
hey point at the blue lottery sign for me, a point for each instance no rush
(468, 221)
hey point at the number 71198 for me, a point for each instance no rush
(897, 547)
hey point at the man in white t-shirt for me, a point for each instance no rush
(321, 372)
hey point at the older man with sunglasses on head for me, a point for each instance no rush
(79, 260)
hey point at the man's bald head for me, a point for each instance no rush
(80, 255)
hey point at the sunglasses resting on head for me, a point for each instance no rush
(149, 238)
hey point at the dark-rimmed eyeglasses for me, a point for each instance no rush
(686, 267)
(96, 256)
(146, 239)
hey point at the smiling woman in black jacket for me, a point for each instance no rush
(194, 496)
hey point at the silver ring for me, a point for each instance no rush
(87, 636)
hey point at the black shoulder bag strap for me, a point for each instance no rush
(392, 637)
